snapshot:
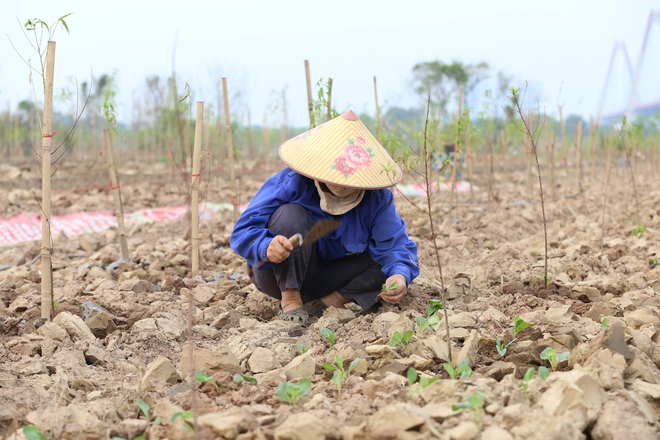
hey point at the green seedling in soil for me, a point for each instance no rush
(532, 133)
(550, 355)
(399, 339)
(654, 263)
(185, 416)
(604, 323)
(434, 306)
(519, 325)
(339, 372)
(31, 432)
(639, 229)
(144, 407)
(475, 404)
(423, 323)
(524, 384)
(501, 348)
(290, 392)
(329, 335)
(461, 371)
(424, 381)
(302, 349)
(202, 377)
(242, 378)
(544, 373)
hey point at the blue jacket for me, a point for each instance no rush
(373, 225)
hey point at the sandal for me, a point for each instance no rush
(315, 307)
(298, 315)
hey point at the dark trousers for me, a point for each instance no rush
(357, 277)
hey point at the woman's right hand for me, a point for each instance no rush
(279, 249)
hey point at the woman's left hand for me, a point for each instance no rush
(393, 293)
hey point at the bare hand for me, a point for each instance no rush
(395, 289)
(279, 249)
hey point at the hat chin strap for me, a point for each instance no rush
(338, 200)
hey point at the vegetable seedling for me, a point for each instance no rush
(604, 323)
(290, 392)
(544, 373)
(524, 384)
(185, 416)
(434, 306)
(393, 286)
(144, 407)
(424, 323)
(519, 325)
(654, 263)
(424, 381)
(31, 432)
(461, 371)
(202, 377)
(399, 339)
(339, 372)
(501, 348)
(329, 335)
(242, 378)
(639, 229)
(551, 356)
(475, 404)
(302, 349)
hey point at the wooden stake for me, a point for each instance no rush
(329, 99)
(469, 159)
(249, 135)
(454, 172)
(578, 146)
(310, 104)
(46, 148)
(491, 171)
(230, 150)
(530, 175)
(109, 155)
(377, 111)
(564, 148)
(194, 208)
(593, 136)
(552, 162)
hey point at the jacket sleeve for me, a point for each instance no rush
(250, 237)
(390, 245)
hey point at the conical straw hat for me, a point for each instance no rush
(343, 152)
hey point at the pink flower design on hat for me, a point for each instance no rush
(357, 156)
(343, 166)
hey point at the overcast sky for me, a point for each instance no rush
(562, 48)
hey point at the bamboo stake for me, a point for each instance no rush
(503, 141)
(552, 162)
(108, 154)
(530, 176)
(310, 104)
(377, 111)
(329, 99)
(194, 208)
(249, 135)
(230, 150)
(578, 146)
(592, 135)
(46, 148)
(491, 171)
(453, 197)
(564, 148)
(285, 130)
(469, 160)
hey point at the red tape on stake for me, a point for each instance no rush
(195, 175)
(46, 135)
(113, 187)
